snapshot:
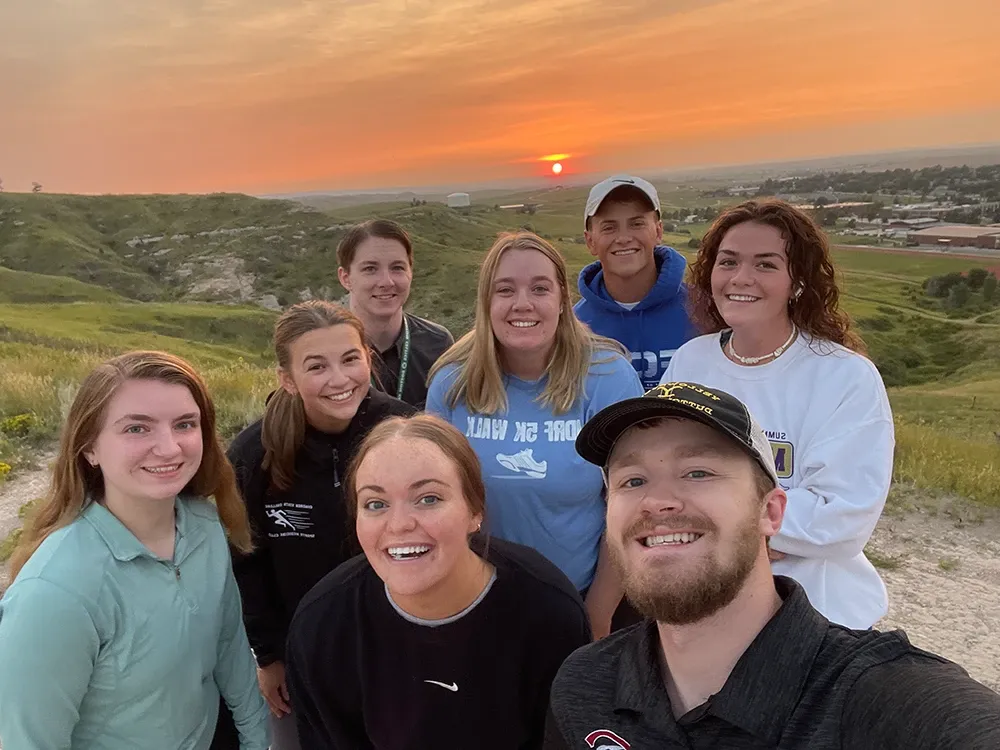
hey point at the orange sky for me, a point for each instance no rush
(281, 95)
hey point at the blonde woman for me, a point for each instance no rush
(123, 626)
(520, 386)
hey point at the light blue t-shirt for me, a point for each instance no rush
(539, 491)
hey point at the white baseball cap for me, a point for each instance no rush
(601, 190)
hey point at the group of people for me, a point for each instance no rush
(634, 521)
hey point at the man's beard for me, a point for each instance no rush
(670, 596)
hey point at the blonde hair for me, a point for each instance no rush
(480, 378)
(284, 426)
(74, 479)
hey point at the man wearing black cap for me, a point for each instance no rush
(732, 656)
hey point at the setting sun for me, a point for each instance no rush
(556, 168)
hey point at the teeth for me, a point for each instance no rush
(404, 553)
(629, 251)
(682, 538)
(524, 323)
(384, 296)
(342, 396)
(741, 298)
(161, 469)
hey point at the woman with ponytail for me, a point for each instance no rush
(290, 467)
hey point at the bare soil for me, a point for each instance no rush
(940, 559)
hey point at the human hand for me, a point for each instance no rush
(272, 685)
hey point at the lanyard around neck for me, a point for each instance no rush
(404, 359)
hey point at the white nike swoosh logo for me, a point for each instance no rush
(453, 687)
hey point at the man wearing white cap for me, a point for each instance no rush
(634, 291)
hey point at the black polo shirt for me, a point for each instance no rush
(804, 683)
(428, 341)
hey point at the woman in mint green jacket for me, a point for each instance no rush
(123, 625)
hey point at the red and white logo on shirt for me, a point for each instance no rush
(605, 739)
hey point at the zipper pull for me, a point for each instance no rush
(177, 573)
(336, 475)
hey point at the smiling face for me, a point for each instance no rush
(379, 277)
(525, 303)
(413, 519)
(751, 284)
(150, 445)
(686, 524)
(331, 371)
(622, 236)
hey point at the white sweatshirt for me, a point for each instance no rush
(825, 411)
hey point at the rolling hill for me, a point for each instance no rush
(82, 278)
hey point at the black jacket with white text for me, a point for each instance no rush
(302, 533)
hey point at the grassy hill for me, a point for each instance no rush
(82, 278)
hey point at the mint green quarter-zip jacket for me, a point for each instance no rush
(104, 646)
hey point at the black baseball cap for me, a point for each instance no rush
(714, 408)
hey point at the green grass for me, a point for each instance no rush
(948, 564)
(883, 562)
(8, 545)
(68, 299)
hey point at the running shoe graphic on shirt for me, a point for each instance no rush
(293, 520)
(524, 461)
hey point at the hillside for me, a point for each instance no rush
(81, 278)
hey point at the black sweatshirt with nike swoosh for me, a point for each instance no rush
(362, 676)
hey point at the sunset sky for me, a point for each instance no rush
(268, 96)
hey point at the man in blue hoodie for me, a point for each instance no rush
(634, 291)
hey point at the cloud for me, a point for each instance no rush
(213, 94)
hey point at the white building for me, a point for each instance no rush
(458, 200)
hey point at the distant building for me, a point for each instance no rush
(459, 200)
(958, 235)
(917, 223)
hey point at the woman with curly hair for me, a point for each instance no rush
(764, 294)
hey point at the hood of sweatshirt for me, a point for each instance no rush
(652, 330)
(670, 267)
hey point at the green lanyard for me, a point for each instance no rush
(404, 359)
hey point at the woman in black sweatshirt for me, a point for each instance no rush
(290, 466)
(435, 637)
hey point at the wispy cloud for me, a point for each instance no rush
(269, 94)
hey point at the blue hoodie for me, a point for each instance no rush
(655, 328)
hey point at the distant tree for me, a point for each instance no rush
(852, 224)
(958, 296)
(694, 242)
(669, 227)
(976, 277)
(821, 201)
(36, 187)
(989, 288)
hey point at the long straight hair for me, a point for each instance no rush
(74, 480)
(480, 378)
(284, 426)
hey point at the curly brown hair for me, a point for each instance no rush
(817, 311)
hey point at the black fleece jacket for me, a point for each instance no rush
(302, 533)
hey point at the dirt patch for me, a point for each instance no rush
(20, 489)
(941, 563)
